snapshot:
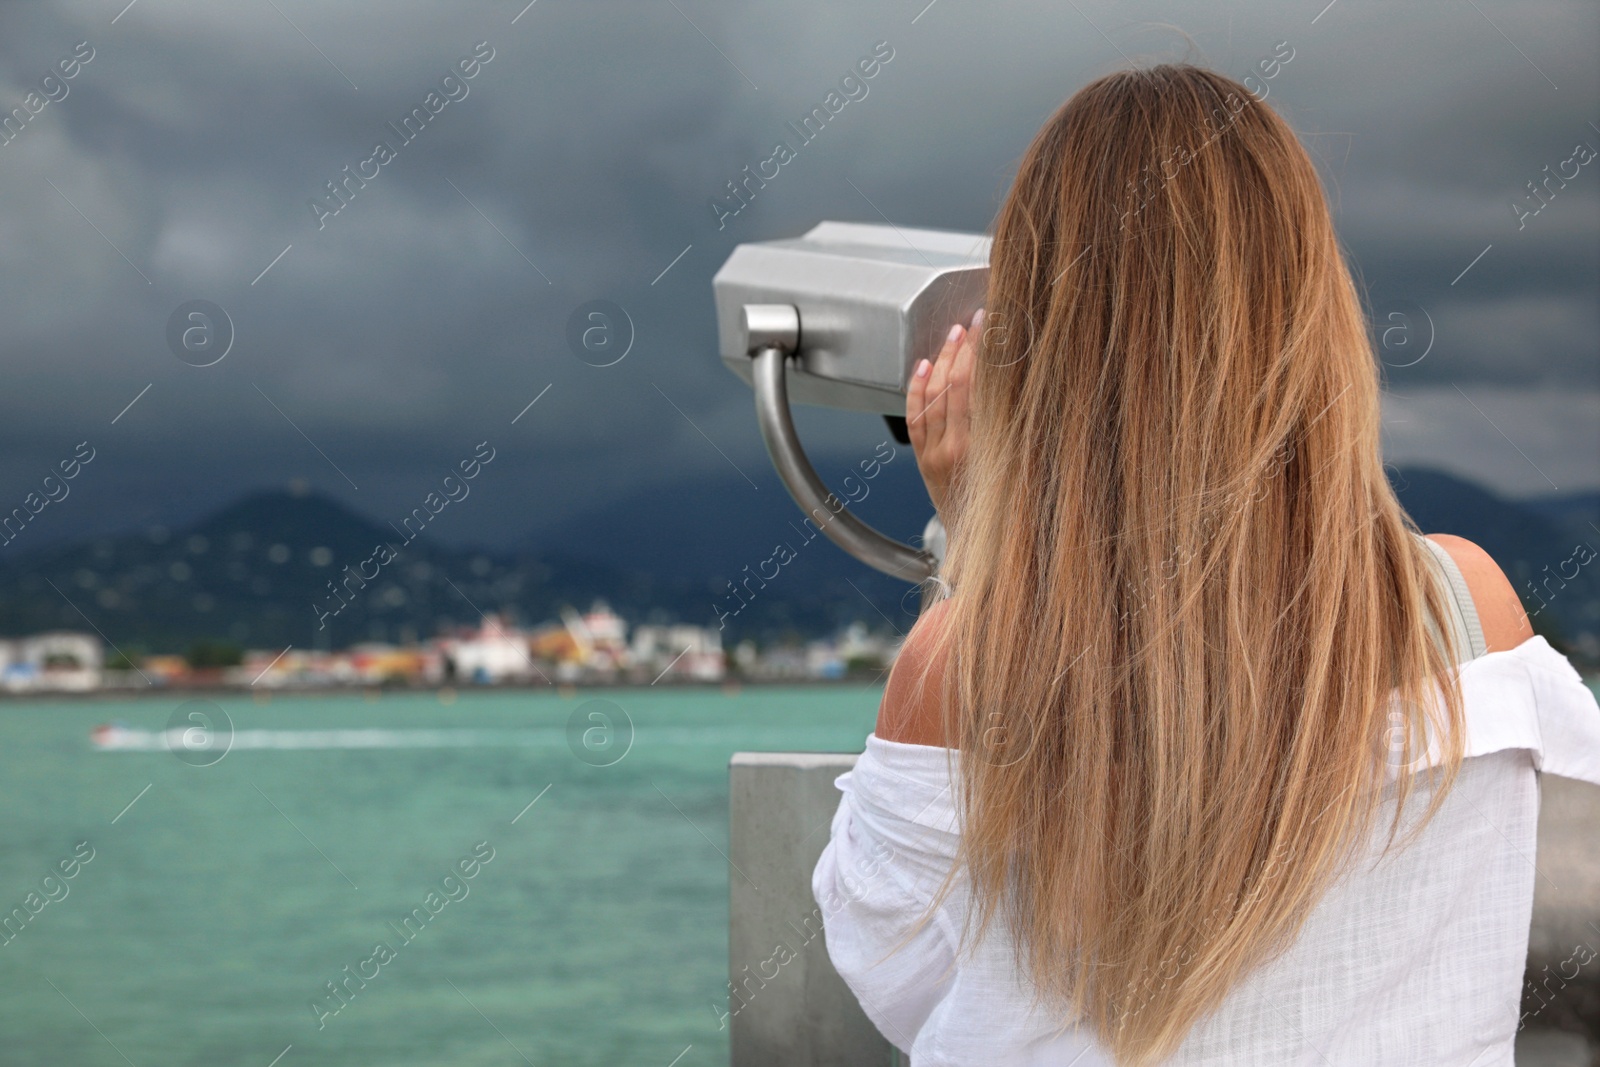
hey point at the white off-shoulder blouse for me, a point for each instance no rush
(1413, 960)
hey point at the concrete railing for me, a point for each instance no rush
(787, 1006)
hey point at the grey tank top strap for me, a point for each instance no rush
(1466, 637)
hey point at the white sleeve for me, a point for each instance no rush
(1532, 697)
(1569, 716)
(891, 844)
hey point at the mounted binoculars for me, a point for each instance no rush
(838, 318)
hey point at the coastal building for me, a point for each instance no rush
(691, 653)
(60, 661)
(554, 643)
(495, 652)
(380, 664)
(601, 637)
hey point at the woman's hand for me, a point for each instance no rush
(936, 410)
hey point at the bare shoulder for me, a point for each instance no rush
(1505, 623)
(910, 712)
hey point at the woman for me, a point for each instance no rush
(1146, 786)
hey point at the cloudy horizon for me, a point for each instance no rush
(582, 159)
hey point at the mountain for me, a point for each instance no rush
(1442, 503)
(264, 571)
(1535, 546)
(280, 568)
(716, 525)
(1577, 513)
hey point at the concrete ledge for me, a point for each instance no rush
(1561, 989)
(787, 1006)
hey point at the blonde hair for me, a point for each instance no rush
(1185, 593)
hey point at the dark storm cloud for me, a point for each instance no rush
(430, 310)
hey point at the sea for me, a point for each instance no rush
(192, 887)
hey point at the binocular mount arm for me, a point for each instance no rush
(772, 332)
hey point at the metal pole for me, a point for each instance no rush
(820, 505)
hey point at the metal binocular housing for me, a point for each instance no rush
(838, 317)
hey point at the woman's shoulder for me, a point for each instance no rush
(1500, 613)
(910, 713)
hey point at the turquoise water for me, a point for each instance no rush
(215, 909)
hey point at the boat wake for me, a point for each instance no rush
(121, 739)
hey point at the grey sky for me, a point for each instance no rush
(425, 315)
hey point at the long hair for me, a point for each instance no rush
(1190, 628)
